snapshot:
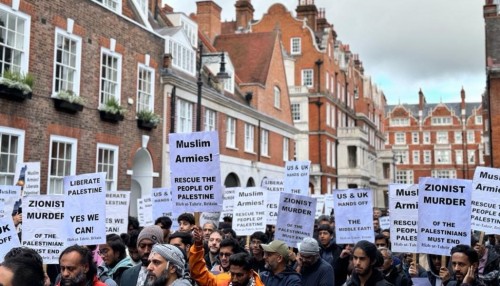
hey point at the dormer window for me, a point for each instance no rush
(296, 46)
(115, 5)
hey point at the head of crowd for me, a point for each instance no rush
(213, 254)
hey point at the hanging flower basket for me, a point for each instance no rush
(112, 111)
(110, 117)
(16, 86)
(68, 101)
(147, 119)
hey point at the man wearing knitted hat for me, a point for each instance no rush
(149, 236)
(279, 273)
(314, 269)
(166, 266)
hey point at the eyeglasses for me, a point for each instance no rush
(226, 254)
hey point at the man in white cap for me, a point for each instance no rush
(279, 273)
(166, 266)
(314, 269)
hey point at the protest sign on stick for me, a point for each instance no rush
(249, 210)
(485, 200)
(296, 179)
(9, 196)
(403, 207)
(145, 211)
(117, 204)
(8, 236)
(295, 218)
(353, 215)
(228, 203)
(274, 188)
(27, 176)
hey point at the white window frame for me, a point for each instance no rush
(295, 46)
(210, 120)
(113, 5)
(295, 107)
(145, 88)
(72, 163)
(70, 78)
(277, 96)
(416, 157)
(10, 170)
(442, 137)
(444, 174)
(286, 149)
(478, 120)
(183, 57)
(333, 111)
(404, 177)
(441, 120)
(111, 179)
(184, 116)
(264, 143)
(111, 80)
(459, 157)
(334, 163)
(471, 136)
(308, 78)
(458, 137)
(328, 114)
(427, 157)
(20, 45)
(471, 156)
(231, 132)
(249, 137)
(442, 156)
(426, 137)
(328, 153)
(399, 122)
(400, 138)
(415, 138)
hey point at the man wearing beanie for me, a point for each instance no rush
(332, 253)
(314, 269)
(366, 260)
(149, 236)
(278, 272)
(166, 266)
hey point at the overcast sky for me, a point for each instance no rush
(405, 45)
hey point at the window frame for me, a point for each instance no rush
(142, 68)
(210, 120)
(295, 46)
(114, 176)
(307, 78)
(25, 52)
(184, 116)
(249, 137)
(286, 149)
(399, 138)
(264, 142)
(277, 97)
(74, 151)
(231, 132)
(20, 134)
(77, 68)
(117, 94)
(440, 136)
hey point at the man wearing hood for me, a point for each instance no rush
(278, 272)
(314, 269)
(332, 253)
(438, 274)
(366, 260)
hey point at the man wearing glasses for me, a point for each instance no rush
(314, 269)
(279, 272)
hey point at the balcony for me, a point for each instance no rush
(298, 90)
(351, 133)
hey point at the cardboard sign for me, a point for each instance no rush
(295, 218)
(297, 177)
(353, 215)
(27, 176)
(485, 200)
(274, 188)
(10, 196)
(117, 204)
(403, 207)
(145, 211)
(249, 213)
(8, 236)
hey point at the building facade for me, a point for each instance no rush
(440, 140)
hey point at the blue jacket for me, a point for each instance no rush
(288, 277)
(320, 274)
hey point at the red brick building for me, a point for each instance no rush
(441, 140)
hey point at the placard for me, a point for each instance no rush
(145, 212)
(117, 205)
(249, 210)
(295, 218)
(274, 187)
(403, 207)
(353, 215)
(27, 176)
(296, 179)
(486, 200)
(8, 236)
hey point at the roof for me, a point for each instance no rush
(251, 54)
(453, 106)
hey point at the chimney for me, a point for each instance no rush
(462, 96)
(490, 9)
(421, 100)
(244, 13)
(208, 16)
(321, 22)
(307, 9)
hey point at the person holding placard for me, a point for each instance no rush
(489, 260)
(278, 273)
(464, 261)
(366, 260)
(212, 255)
(186, 222)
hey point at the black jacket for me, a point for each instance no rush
(288, 277)
(376, 279)
(331, 254)
(320, 274)
(396, 277)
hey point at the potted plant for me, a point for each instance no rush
(147, 119)
(112, 111)
(16, 86)
(68, 101)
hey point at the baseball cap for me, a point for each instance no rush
(277, 246)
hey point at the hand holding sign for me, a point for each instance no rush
(197, 236)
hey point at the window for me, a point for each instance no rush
(107, 161)
(62, 162)
(14, 41)
(68, 53)
(416, 157)
(210, 120)
(404, 177)
(307, 78)
(114, 5)
(295, 111)
(458, 137)
(327, 81)
(427, 138)
(110, 76)
(328, 114)
(401, 156)
(470, 136)
(400, 122)
(441, 121)
(471, 156)
(231, 132)
(334, 164)
(286, 148)
(479, 120)
(11, 153)
(296, 47)
(427, 157)
(249, 135)
(414, 138)
(333, 116)
(442, 156)
(444, 174)
(264, 143)
(145, 88)
(399, 138)
(184, 116)
(183, 57)
(328, 153)
(442, 137)
(277, 97)
(459, 157)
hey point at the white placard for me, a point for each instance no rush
(210, 217)
(85, 209)
(9, 196)
(28, 177)
(295, 218)
(353, 215)
(403, 207)
(117, 204)
(320, 205)
(296, 179)
(145, 211)
(444, 214)
(249, 210)
(43, 222)
(329, 204)
(195, 171)
(485, 200)
(385, 222)
(227, 204)
(274, 188)
(8, 236)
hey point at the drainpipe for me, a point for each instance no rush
(172, 109)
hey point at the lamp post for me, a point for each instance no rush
(222, 74)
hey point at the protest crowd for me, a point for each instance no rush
(213, 254)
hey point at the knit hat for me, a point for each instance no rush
(277, 246)
(152, 232)
(309, 245)
(325, 227)
(172, 254)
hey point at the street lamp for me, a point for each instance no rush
(222, 74)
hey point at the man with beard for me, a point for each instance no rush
(366, 260)
(149, 236)
(77, 268)
(241, 271)
(166, 266)
(314, 269)
(212, 254)
(464, 261)
(391, 273)
(278, 272)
